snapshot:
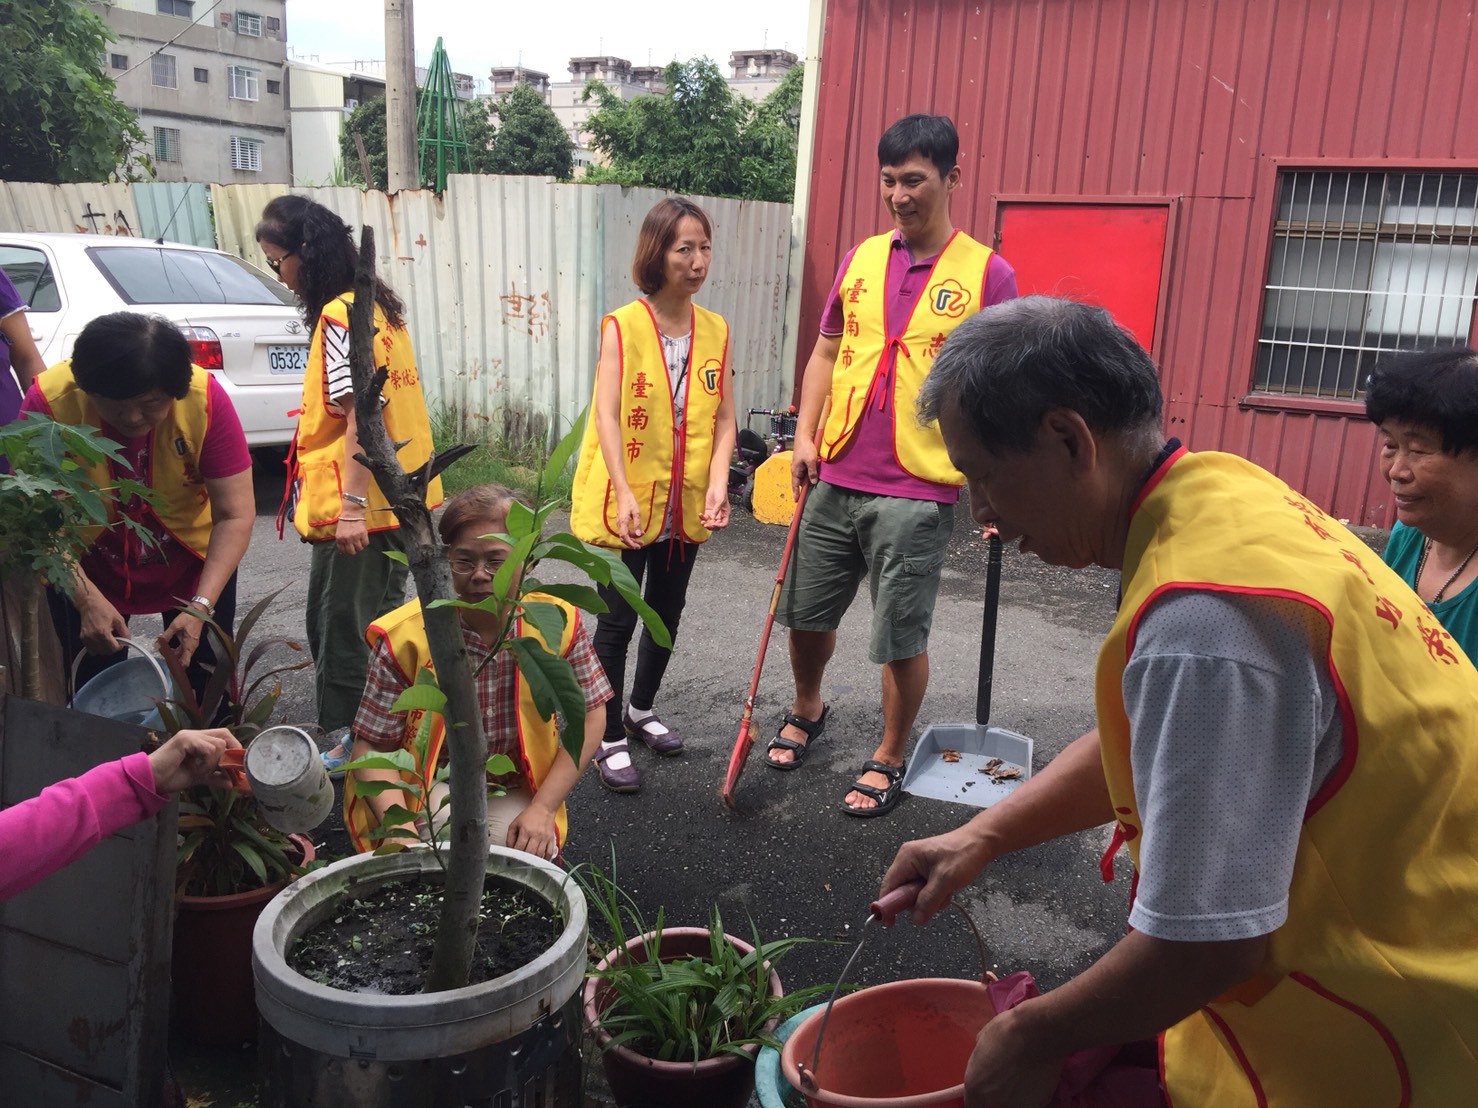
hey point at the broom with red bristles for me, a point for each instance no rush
(746, 724)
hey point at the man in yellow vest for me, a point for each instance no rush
(884, 495)
(1284, 744)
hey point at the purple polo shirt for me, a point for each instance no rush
(866, 463)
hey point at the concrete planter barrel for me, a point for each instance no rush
(510, 1041)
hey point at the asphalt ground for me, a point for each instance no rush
(787, 858)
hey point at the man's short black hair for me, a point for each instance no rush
(125, 354)
(930, 136)
(1008, 365)
(1436, 389)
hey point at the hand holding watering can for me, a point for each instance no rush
(283, 773)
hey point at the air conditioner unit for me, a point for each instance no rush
(350, 104)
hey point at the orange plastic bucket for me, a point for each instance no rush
(899, 1045)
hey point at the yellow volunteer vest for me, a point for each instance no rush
(538, 738)
(174, 455)
(1369, 995)
(317, 456)
(868, 351)
(658, 457)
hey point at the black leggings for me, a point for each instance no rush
(666, 567)
(69, 629)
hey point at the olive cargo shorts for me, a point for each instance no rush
(898, 543)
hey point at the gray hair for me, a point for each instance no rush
(1008, 365)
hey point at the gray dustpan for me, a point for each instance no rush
(964, 781)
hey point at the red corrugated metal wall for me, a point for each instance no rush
(1193, 102)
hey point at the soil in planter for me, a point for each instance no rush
(381, 942)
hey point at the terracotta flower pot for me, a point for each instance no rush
(636, 1080)
(214, 1000)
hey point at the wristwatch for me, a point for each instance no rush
(362, 501)
(198, 601)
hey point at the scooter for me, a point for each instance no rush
(751, 449)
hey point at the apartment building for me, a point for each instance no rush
(207, 84)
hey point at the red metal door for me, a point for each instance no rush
(1105, 253)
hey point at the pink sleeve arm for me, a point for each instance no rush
(43, 834)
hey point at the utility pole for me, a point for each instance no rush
(400, 95)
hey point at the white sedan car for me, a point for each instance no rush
(242, 324)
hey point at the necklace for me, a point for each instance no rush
(1421, 564)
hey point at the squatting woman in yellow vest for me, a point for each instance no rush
(530, 813)
(130, 377)
(652, 479)
(333, 500)
(1284, 744)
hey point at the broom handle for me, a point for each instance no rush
(988, 631)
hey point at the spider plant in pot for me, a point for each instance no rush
(680, 1012)
(230, 861)
(463, 1034)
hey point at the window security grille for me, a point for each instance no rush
(166, 144)
(161, 71)
(1364, 263)
(246, 154)
(249, 23)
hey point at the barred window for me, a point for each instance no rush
(184, 8)
(202, 75)
(243, 82)
(249, 23)
(1364, 264)
(274, 26)
(246, 153)
(166, 144)
(161, 71)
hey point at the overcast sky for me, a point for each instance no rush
(545, 34)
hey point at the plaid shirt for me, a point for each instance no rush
(497, 691)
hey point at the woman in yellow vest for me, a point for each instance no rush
(652, 480)
(332, 499)
(130, 376)
(530, 813)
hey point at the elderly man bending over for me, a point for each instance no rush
(1284, 744)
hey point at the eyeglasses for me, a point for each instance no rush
(465, 566)
(275, 264)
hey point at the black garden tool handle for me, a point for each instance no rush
(988, 631)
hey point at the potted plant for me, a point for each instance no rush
(679, 1013)
(513, 1036)
(47, 506)
(230, 861)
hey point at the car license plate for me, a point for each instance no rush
(288, 359)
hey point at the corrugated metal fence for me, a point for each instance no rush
(505, 279)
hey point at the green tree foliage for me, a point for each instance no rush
(59, 119)
(517, 133)
(368, 122)
(699, 136)
(530, 138)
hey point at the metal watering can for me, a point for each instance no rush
(282, 771)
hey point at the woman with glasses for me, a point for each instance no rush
(130, 376)
(653, 475)
(332, 499)
(529, 814)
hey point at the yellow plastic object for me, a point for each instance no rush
(772, 502)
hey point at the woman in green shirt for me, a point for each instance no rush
(1426, 406)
